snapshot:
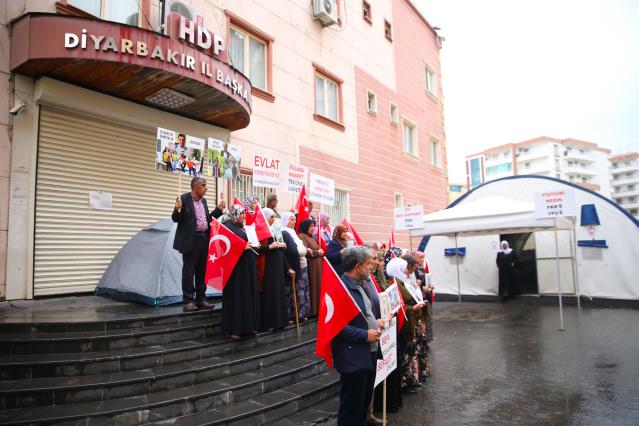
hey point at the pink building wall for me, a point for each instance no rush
(383, 168)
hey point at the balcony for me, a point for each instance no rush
(531, 155)
(626, 193)
(578, 169)
(591, 186)
(625, 181)
(534, 169)
(576, 155)
(623, 169)
(629, 206)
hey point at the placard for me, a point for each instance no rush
(266, 171)
(555, 203)
(296, 176)
(321, 189)
(388, 344)
(178, 152)
(409, 217)
(223, 159)
(389, 301)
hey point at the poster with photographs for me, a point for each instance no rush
(393, 298)
(179, 153)
(223, 159)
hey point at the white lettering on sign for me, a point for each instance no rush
(188, 30)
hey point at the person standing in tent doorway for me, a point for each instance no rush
(191, 213)
(507, 262)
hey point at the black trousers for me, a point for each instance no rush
(356, 390)
(194, 263)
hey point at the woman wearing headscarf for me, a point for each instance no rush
(507, 262)
(414, 364)
(277, 274)
(240, 303)
(296, 255)
(335, 247)
(422, 274)
(314, 258)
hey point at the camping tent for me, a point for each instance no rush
(499, 207)
(147, 269)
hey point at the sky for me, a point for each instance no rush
(518, 69)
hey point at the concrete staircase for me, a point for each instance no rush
(173, 369)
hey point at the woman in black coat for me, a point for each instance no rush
(507, 262)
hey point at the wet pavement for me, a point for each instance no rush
(497, 364)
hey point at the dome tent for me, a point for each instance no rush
(147, 269)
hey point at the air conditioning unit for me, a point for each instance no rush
(325, 11)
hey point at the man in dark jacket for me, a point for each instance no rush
(192, 240)
(356, 347)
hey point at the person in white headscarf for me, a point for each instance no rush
(412, 356)
(296, 256)
(507, 262)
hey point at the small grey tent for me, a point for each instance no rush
(147, 269)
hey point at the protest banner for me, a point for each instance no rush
(266, 171)
(409, 217)
(388, 344)
(296, 176)
(321, 190)
(223, 159)
(556, 203)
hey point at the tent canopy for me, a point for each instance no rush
(489, 215)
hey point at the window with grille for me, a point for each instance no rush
(339, 210)
(242, 187)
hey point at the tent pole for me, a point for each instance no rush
(457, 263)
(573, 253)
(561, 308)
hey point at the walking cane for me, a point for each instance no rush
(297, 318)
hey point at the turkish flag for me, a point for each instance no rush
(350, 228)
(302, 208)
(225, 249)
(337, 309)
(391, 242)
(262, 229)
(236, 201)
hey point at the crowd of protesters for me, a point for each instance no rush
(280, 280)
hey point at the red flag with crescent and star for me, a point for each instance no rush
(302, 208)
(337, 309)
(350, 228)
(225, 249)
(262, 229)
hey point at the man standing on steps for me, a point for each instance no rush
(192, 215)
(356, 348)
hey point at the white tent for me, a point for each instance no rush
(505, 206)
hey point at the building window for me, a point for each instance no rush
(327, 96)
(558, 175)
(431, 81)
(124, 12)
(388, 31)
(435, 152)
(371, 102)
(506, 154)
(399, 200)
(556, 150)
(243, 188)
(631, 187)
(527, 165)
(409, 137)
(474, 168)
(496, 170)
(394, 115)
(366, 12)
(340, 210)
(557, 165)
(249, 55)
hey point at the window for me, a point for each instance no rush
(388, 31)
(435, 152)
(243, 188)
(371, 102)
(431, 81)
(249, 55)
(631, 187)
(124, 12)
(502, 168)
(409, 138)
(340, 210)
(556, 150)
(394, 116)
(558, 175)
(506, 154)
(366, 12)
(632, 199)
(327, 96)
(557, 165)
(527, 165)
(399, 200)
(474, 168)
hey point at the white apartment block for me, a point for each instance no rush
(624, 179)
(583, 163)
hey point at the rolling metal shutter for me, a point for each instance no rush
(76, 155)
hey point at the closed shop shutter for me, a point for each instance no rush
(76, 154)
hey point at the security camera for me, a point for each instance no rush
(15, 110)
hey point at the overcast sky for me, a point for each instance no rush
(517, 69)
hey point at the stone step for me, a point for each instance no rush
(68, 390)
(144, 318)
(93, 341)
(298, 375)
(19, 366)
(316, 414)
(268, 408)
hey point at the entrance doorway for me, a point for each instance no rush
(524, 245)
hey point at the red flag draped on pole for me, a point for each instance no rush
(302, 208)
(337, 309)
(391, 242)
(225, 249)
(350, 228)
(262, 229)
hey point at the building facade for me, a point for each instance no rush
(624, 180)
(349, 90)
(580, 162)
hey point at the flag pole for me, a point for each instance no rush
(297, 318)
(384, 405)
(179, 189)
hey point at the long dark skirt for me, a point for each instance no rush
(414, 364)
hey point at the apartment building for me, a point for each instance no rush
(583, 163)
(349, 90)
(624, 180)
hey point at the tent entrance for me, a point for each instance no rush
(524, 245)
